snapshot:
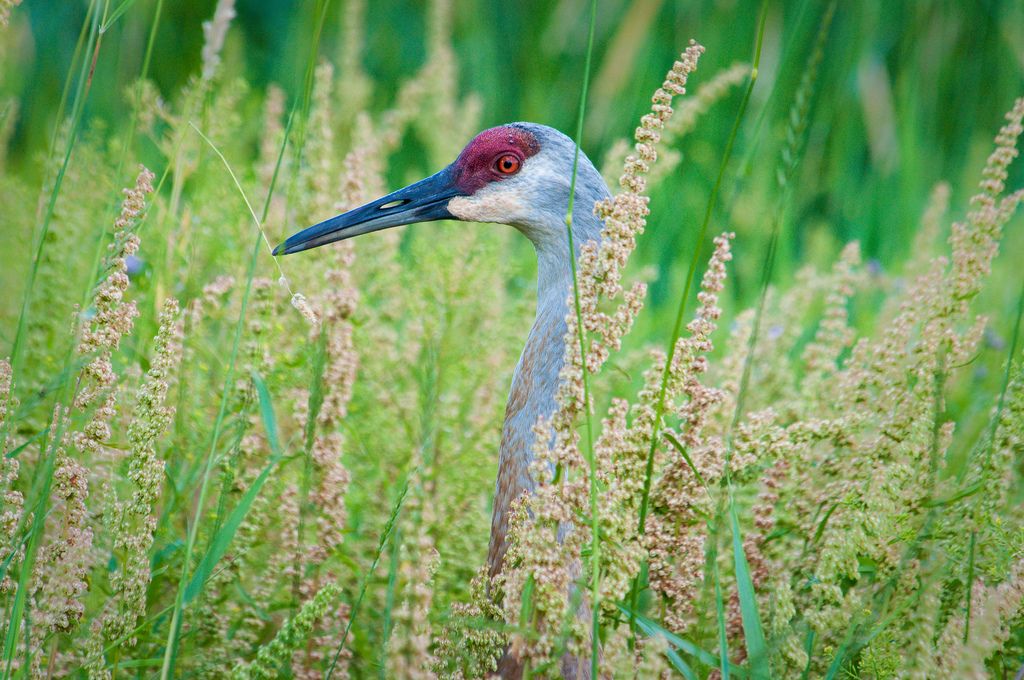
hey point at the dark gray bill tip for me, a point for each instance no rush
(424, 201)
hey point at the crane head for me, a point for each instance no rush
(517, 174)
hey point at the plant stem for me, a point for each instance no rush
(677, 326)
(40, 512)
(174, 633)
(388, 529)
(595, 536)
(82, 92)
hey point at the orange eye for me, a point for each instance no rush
(508, 164)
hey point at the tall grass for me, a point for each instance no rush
(208, 453)
(581, 333)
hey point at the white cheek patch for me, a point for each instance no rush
(502, 204)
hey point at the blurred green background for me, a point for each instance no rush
(910, 93)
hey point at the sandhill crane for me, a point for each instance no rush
(517, 174)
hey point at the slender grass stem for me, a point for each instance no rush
(307, 92)
(389, 605)
(790, 159)
(90, 55)
(118, 13)
(723, 638)
(970, 587)
(595, 536)
(97, 258)
(69, 80)
(313, 405)
(258, 222)
(1001, 403)
(388, 529)
(45, 471)
(174, 632)
(170, 651)
(319, 348)
(791, 155)
(677, 326)
(176, 619)
(767, 270)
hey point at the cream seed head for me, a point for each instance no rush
(214, 32)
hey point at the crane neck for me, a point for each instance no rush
(536, 377)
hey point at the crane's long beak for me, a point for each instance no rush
(424, 201)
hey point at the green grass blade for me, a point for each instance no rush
(820, 530)
(222, 539)
(677, 328)
(595, 536)
(970, 587)
(13, 453)
(680, 665)
(837, 662)
(809, 649)
(723, 638)
(82, 91)
(385, 535)
(116, 14)
(389, 605)
(652, 628)
(678, 446)
(267, 416)
(757, 650)
(684, 298)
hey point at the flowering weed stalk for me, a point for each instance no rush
(56, 582)
(659, 408)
